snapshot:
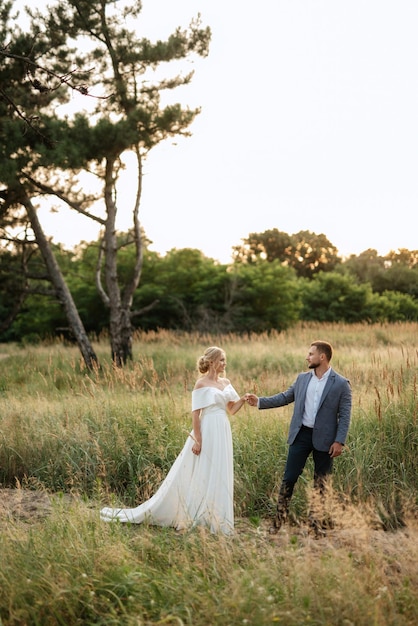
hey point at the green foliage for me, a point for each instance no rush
(393, 272)
(365, 266)
(336, 297)
(38, 319)
(12, 289)
(393, 306)
(400, 278)
(264, 296)
(189, 288)
(332, 297)
(188, 291)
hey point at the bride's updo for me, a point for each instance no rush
(209, 356)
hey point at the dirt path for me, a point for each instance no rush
(31, 506)
(23, 504)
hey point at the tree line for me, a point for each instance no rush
(186, 290)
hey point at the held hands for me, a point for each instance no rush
(251, 399)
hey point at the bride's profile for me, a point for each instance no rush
(198, 489)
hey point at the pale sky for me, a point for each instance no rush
(309, 122)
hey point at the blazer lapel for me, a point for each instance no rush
(307, 379)
(328, 386)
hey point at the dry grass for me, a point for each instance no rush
(112, 574)
(71, 439)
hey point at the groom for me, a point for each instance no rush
(319, 425)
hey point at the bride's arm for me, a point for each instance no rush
(234, 407)
(197, 435)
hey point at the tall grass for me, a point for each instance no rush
(70, 569)
(118, 431)
(83, 439)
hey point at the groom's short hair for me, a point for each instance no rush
(325, 347)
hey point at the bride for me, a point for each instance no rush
(199, 488)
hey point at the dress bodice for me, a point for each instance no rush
(206, 397)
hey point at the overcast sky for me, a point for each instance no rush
(309, 122)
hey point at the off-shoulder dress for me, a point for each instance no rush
(198, 490)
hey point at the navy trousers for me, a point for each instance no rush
(298, 454)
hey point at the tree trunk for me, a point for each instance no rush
(119, 302)
(62, 291)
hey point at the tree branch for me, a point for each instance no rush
(62, 78)
(74, 205)
(144, 309)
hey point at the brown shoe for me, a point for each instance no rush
(317, 527)
(278, 522)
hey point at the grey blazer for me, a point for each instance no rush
(333, 415)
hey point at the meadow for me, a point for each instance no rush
(73, 441)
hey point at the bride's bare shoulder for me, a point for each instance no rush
(201, 382)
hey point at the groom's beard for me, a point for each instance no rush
(313, 366)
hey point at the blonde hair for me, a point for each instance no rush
(209, 356)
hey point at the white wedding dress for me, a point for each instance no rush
(198, 489)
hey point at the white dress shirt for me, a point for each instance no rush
(313, 397)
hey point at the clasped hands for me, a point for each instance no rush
(251, 399)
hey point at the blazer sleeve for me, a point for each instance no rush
(344, 413)
(279, 399)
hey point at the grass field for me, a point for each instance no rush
(72, 441)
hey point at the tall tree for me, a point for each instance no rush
(129, 119)
(403, 256)
(366, 265)
(307, 252)
(22, 97)
(269, 245)
(313, 253)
